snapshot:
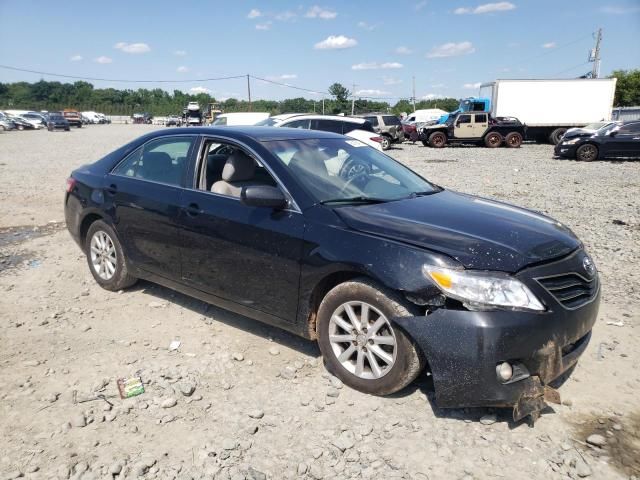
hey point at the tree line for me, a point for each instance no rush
(84, 96)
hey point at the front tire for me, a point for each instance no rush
(106, 258)
(437, 140)
(385, 143)
(587, 152)
(360, 344)
(493, 140)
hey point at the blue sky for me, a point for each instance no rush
(379, 45)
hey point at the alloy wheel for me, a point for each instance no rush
(588, 153)
(103, 255)
(362, 340)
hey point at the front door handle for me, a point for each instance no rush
(193, 209)
(112, 189)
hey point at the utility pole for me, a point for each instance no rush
(414, 93)
(323, 105)
(249, 90)
(595, 55)
(353, 99)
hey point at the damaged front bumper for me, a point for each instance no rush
(463, 349)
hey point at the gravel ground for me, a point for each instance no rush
(239, 399)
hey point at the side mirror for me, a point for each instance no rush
(263, 196)
(613, 133)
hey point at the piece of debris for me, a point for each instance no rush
(174, 345)
(130, 387)
(616, 324)
(597, 440)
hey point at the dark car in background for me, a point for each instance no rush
(390, 273)
(387, 126)
(617, 140)
(56, 120)
(21, 123)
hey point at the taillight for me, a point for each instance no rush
(71, 184)
(376, 139)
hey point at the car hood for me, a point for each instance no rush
(578, 132)
(479, 233)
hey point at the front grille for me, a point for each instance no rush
(570, 289)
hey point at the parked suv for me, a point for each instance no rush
(357, 128)
(388, 126)
(474, 127)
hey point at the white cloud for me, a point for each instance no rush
(616, 10)
(254, 13)
(485, 8)
(367, 26)
(284, 76)
(132, 47)
(76, 58)
(471, 86)
(323, 13)
(263, 26)
(371, 92)
(182, 69)
(402, 50)
(420, 5)
(196, 90)
(391, 81)
(549, 45)
(286, 16)
(180, 53)
(376, 66)
(334, 42)
(451, 49)
(431, 96)
(102, 59)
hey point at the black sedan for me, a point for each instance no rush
(57, 120)
(613, 141)
(328, 238)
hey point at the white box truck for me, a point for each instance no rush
(549, 107)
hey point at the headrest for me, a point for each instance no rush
(238, 168)
(157, 161)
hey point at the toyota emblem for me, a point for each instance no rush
(589, 267)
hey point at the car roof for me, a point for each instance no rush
(328, 117)
(259, 134)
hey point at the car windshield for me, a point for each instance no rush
(595, 126)
(344, 171)
(267, 122)
(607, 129)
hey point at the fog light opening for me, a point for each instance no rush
(504, 371)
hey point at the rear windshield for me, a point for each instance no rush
(391, 120)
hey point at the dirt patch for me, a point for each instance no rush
(19, 234)
(622, 436)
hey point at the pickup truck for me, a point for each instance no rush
(474, 127)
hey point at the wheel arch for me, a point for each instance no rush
(87, 221)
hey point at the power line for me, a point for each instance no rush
(75, 77)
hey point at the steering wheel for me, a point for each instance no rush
(352, 180)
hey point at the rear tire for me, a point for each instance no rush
(587, 152)
(437, 140)
(493, 140)
(513, 140)
(375, 356)
(556, 135)
(20, 127)
(385, 143)
(106, 259)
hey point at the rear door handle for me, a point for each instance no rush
(193, 209)
(112, 189)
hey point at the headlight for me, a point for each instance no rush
(571, 142)
(483, 289)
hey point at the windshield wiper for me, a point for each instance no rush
(360, 199)
(424, 194)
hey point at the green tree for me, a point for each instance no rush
(627, 88)
(341, 95)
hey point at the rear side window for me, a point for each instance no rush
(363, 126)
(327, 126)
(481, 118)
(298, 124)
(373, 120)
(391, 120)
(161, 161)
